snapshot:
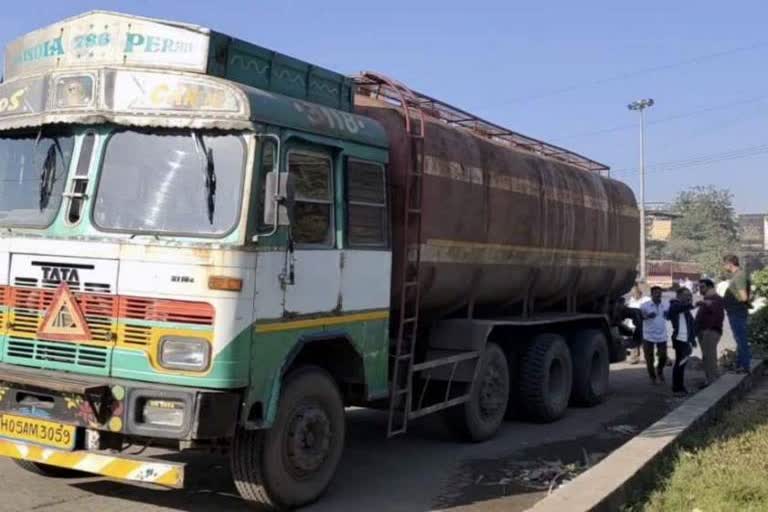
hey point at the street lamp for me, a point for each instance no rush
(640, 106)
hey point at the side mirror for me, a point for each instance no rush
(279, 205)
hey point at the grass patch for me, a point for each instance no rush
(722, 468)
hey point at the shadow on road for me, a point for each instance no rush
(209, 487)
(428, 468)
(370, 466)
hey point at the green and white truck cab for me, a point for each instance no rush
(150, 289)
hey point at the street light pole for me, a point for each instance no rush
(640, 106)
(643, 262)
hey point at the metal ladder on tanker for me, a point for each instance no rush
(403, 370)
(401, 398)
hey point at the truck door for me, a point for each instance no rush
(316, 276)
(365, 279)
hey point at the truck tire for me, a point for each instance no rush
(293, 462)
(48, 470)
(546, 375)
(591, 366)
(514, 409)
(480, 417)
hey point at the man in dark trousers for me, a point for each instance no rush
(737, 300)
(683, 337)
(709, 327)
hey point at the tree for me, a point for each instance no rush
(754, 261)
(706, 230)
(655, 249)
(760, 283)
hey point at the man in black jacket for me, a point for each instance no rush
(683, 337)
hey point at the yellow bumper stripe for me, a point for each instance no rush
(167, 474)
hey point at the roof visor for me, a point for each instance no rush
(134, 98)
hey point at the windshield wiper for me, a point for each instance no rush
(48, 173)
(210, 173)
(47, 177)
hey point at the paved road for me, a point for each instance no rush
(425, 470)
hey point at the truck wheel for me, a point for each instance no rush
(48, 470)
(481, 416)
(513, 404)
(546, 377)
(293, 462)
(591, 366)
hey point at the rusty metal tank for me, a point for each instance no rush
(500, 224)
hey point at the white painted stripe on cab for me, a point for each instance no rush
(317, 282)
(104, 271)
(4, 268)
(365, 280)
(270, 295)
(322, 282)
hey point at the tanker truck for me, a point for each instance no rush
(209, 245)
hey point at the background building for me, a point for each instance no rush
(659, 219)
(753, 237)
(753, 231)
(660, 226)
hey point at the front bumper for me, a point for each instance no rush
(114, 405)
(167, 474)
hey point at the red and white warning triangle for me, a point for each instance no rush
(64, 320)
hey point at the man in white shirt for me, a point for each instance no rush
(655, 334)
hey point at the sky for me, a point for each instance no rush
(561, 71)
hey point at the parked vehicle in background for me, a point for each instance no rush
(207, 244)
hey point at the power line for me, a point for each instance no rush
(717, 157)
(700, 163)
(707, 130)
(673, 117)
(631, 74)
(706, 158)
(701, 160)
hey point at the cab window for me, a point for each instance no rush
(313, 209)
(267, 165)
(367, 204)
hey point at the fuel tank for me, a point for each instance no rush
(500, 224)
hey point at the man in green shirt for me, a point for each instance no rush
(737, 299)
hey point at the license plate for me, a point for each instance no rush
(48, 433)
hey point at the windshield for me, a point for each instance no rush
(171, 182)
(32, 173)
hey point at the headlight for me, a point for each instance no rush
(178, 353)
(163, 413)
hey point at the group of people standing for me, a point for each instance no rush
(651, 318)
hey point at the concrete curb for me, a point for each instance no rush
(627, 471)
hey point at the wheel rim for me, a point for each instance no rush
(492, 391)
(308, 440)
